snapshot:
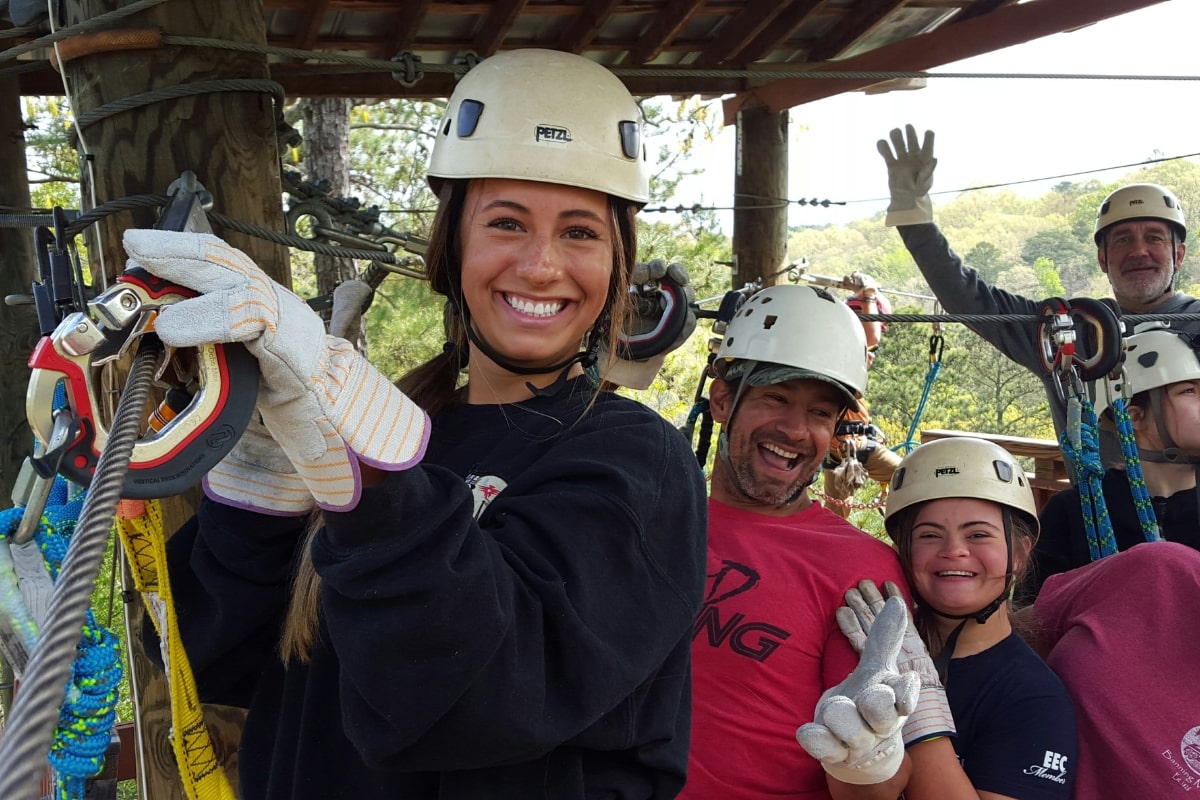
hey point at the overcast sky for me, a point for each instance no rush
(992, 130)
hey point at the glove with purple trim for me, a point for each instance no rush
(855, 733)
(910, 176)
(325, 404)
(257, 474)
(665, 317)
(931, 718)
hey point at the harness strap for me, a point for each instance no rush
(140, 525)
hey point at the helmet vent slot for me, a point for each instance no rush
(469, 112)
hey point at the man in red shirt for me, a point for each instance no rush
(766, 645)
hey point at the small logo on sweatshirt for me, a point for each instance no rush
(484, 488)
(1052, 768)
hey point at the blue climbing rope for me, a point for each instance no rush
(1133, 471)
(88, 714)
(936, 346)
(1080, 444)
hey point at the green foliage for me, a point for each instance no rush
(672, 131)
(1072, 259)
(1049, 283)
(51, 159)
(404, 325)
(390, 143)
(985, 257)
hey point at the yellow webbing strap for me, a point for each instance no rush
(141, 527)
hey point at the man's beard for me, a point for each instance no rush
(772, 494)
(1146, 287)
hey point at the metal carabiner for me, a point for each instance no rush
(221, 380)
(1058, 335)
(1102, 319)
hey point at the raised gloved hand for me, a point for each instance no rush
(931, 718)
(855, 732)
(320, 399)
(910, 176)
(664, 318)
(258, 475)
(862, 284)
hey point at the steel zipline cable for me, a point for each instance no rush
(36, 708)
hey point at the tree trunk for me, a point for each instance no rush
(326, 122)
(228, 139)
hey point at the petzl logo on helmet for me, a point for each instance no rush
(945, 471)
(552, 133)
(1137, 201)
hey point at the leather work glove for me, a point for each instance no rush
(325, 404)
(855, 733)
(863, 284)
(258, 475)
(931, 718)
(665, 316)
(910, 176)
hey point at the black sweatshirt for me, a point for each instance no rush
(523, 633)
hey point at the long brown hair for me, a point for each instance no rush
(435, 384)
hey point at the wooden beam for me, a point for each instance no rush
(408, 23)
(310, 29)
(739, 32)
(978, 8)
(302, 81)
(587, 25)
(496, 26)
(1002, 28)
(858, 22)
(662, 30)
(784, 25)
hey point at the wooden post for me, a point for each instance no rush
(18, 323)
(18, 269)
(759, 227)
(228, 139)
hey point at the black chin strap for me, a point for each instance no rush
(584, 357)
(942, 662)
(556, 386)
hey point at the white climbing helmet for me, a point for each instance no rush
(543, 115)
(1141, 201)
(961, 466)
(1153, 358)
(785, 332)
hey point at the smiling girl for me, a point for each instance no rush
(963, 519)
(506, 611)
